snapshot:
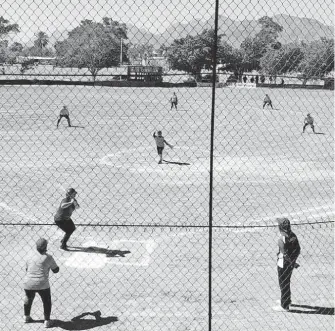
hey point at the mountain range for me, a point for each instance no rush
(294, 29)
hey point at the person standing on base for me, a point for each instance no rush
(36, 280)
(63, 216)
(64, 113)
(160, 142)
(309, 120)
(174, 100)
(267, 101)
(289, 250)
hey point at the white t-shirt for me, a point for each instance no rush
(280, 258)
(37, 274)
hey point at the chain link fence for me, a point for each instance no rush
(186, 239)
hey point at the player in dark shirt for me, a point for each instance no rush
(289, 250)
(267, 101)
(63, 216)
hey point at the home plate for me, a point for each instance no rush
(93, 255)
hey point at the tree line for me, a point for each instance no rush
(97, 45)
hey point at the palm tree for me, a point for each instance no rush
(41, 41)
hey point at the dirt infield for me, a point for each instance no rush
(156, 278)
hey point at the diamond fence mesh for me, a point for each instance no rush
(184, 238)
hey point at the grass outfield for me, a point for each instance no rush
(263, 167)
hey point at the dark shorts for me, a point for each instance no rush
(160, 150)
(66, 225)
(66, 116)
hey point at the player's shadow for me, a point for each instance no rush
(99, 250)
(306, 309)
(81, 323)
(175, 162)
(319, 133)
(77, 126)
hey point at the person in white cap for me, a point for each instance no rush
(289, 250)
(36, 280)
(63, 215)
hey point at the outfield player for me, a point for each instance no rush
(36, 280)
(289, 250)
(174, 101)
(267, 101)
(63, 216)
(309, 120)
(160, 142)
(64, 113)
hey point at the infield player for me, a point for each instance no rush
(160, 142)
(309, 120)
(63, 216)
(64, 113)
(289, 250)
(267, 101)
(174, 101)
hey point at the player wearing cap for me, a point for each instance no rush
(36, 280)
(289, 250)
(63, 216)
(160, 142)
(309, 120)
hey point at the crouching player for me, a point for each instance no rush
(309, 120)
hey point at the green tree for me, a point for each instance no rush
(253, 48)
(16, 47)
(41, 41)
(318, 59)
(280, 61)
(6, 28)
(192, 53)
(139, 51)
(93, 45)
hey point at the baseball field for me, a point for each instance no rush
(140, 254)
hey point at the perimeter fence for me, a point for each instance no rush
(189, 240)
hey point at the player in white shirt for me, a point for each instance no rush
(36, 280)
(160, 142)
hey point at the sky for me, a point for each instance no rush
(153, 15)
